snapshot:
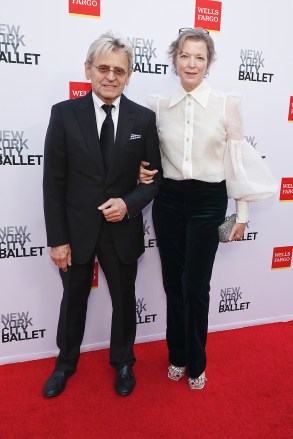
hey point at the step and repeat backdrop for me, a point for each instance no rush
(42, 52)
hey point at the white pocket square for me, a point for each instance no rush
(135, 136)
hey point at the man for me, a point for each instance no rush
(93, 204)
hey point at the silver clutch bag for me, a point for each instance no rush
(226, 228)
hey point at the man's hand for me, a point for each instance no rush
(114, 210)
(61, 256)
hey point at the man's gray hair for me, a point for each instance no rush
(107, 43)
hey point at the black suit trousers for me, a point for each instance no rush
(77, 283)
(186, 217)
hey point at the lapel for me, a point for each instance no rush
(86, 117)
(124, 130)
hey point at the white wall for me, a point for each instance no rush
(57, 43)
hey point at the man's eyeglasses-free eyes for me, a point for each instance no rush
(104, 70)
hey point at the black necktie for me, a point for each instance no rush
(107, 135)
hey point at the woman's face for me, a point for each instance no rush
(192, 63)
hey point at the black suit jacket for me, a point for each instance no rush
(75, 182)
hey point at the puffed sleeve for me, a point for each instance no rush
(248, 177)
(153, 102)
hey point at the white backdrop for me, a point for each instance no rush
(43, 49)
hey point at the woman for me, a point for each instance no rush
(204, 158)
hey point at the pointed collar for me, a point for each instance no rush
(200, 94)
(98, 102)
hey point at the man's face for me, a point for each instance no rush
(108, 84)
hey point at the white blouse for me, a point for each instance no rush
(201, 137)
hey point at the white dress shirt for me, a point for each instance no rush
(101, 115)
(201, 138)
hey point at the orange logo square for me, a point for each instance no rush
(95, 282)
(87, 8)
(208, 14)
(286, 192)
(290, 113)
(79, 89)
(282, 257)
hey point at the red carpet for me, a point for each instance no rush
(248, 394)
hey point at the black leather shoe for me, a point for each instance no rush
(125, 381)
(56, 383)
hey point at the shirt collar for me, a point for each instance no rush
(98, 102)
(200, 94)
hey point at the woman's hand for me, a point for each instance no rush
(237, 231)
(146, 176)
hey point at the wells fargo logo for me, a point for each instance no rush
(208, 14)
(86, 8)
(78, 89)
(290, 114)
(282, 257)
(95, 282)
(286, 192)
